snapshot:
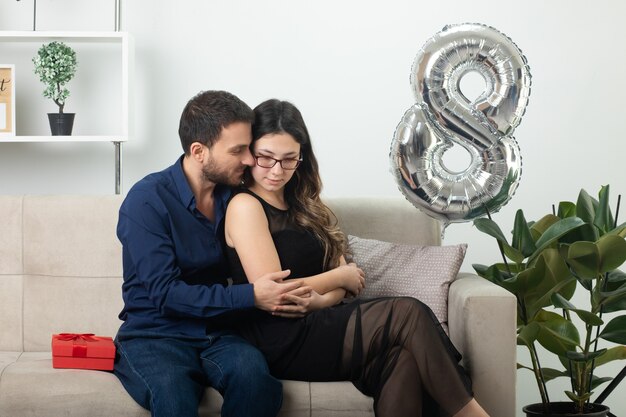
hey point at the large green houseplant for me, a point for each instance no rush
(578, 247)
(55, 64)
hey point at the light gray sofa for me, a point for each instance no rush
(60, 271)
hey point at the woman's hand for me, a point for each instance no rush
(353, 278)
(299, 302)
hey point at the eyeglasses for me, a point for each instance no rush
(269, 162)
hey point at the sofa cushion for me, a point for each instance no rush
(385, 218)
(7, 358)
(72, 236)
(12, 237)
(422, 272)
(31, 387)
(11, 309)
(69, 305)
(339, 399)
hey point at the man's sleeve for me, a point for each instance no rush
(147, 241)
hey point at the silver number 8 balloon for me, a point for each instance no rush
(443, 117)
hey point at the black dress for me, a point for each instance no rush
(392, 349)
(285, 342)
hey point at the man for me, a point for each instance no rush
(171, 344)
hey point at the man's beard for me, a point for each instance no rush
(211, 172)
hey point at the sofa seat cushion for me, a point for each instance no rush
(29, 386)
(7, 358)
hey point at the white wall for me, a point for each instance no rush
(346, 65)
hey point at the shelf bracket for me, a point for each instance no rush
(118, 167)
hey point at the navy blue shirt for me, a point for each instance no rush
(174, 265)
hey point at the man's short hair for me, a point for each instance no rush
(206, 114)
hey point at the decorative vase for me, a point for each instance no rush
(565, 409)
(61, 123)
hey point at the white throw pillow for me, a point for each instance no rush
(422, 272)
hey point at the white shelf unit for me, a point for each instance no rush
(122, 43)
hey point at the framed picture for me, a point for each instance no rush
(7, 100)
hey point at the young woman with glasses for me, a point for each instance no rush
(392, 349)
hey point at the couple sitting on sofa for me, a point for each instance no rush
(243, 203)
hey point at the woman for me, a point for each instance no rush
(391, 348)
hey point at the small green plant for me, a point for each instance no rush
(55, 63)
(579, 246)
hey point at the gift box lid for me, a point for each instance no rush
(89, 345)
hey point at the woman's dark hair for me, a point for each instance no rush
(302, 192)
(206, 114)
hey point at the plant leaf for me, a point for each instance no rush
(566, 209)
(522, 239)
(613, 354)
(492, 229)
(525, 281)
(576, 398)
(586, 232)
(554, 232)
(617, 276)
(588, 317)
(615, 298)
(494, 273)
(545, 300)
(556, 278)
(539, 227)
(557, 334)
(584, 258)
(561, 302)
(597, 381)
(612, 250)
(615, 330)
(603, 219)
(528, 334)
(585, 207)
(619, 230)
(550, 373)
(581, 357)
(480, 269)
(559, 273)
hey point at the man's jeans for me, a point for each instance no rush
(168, 376)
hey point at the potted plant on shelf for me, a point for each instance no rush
(55, 63)
(578, 247)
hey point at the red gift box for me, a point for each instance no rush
(82, 351)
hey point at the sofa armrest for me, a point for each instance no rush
(482, 324)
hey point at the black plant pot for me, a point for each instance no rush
(565, 409)
(61, 123)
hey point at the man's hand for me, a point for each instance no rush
(269, 290)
